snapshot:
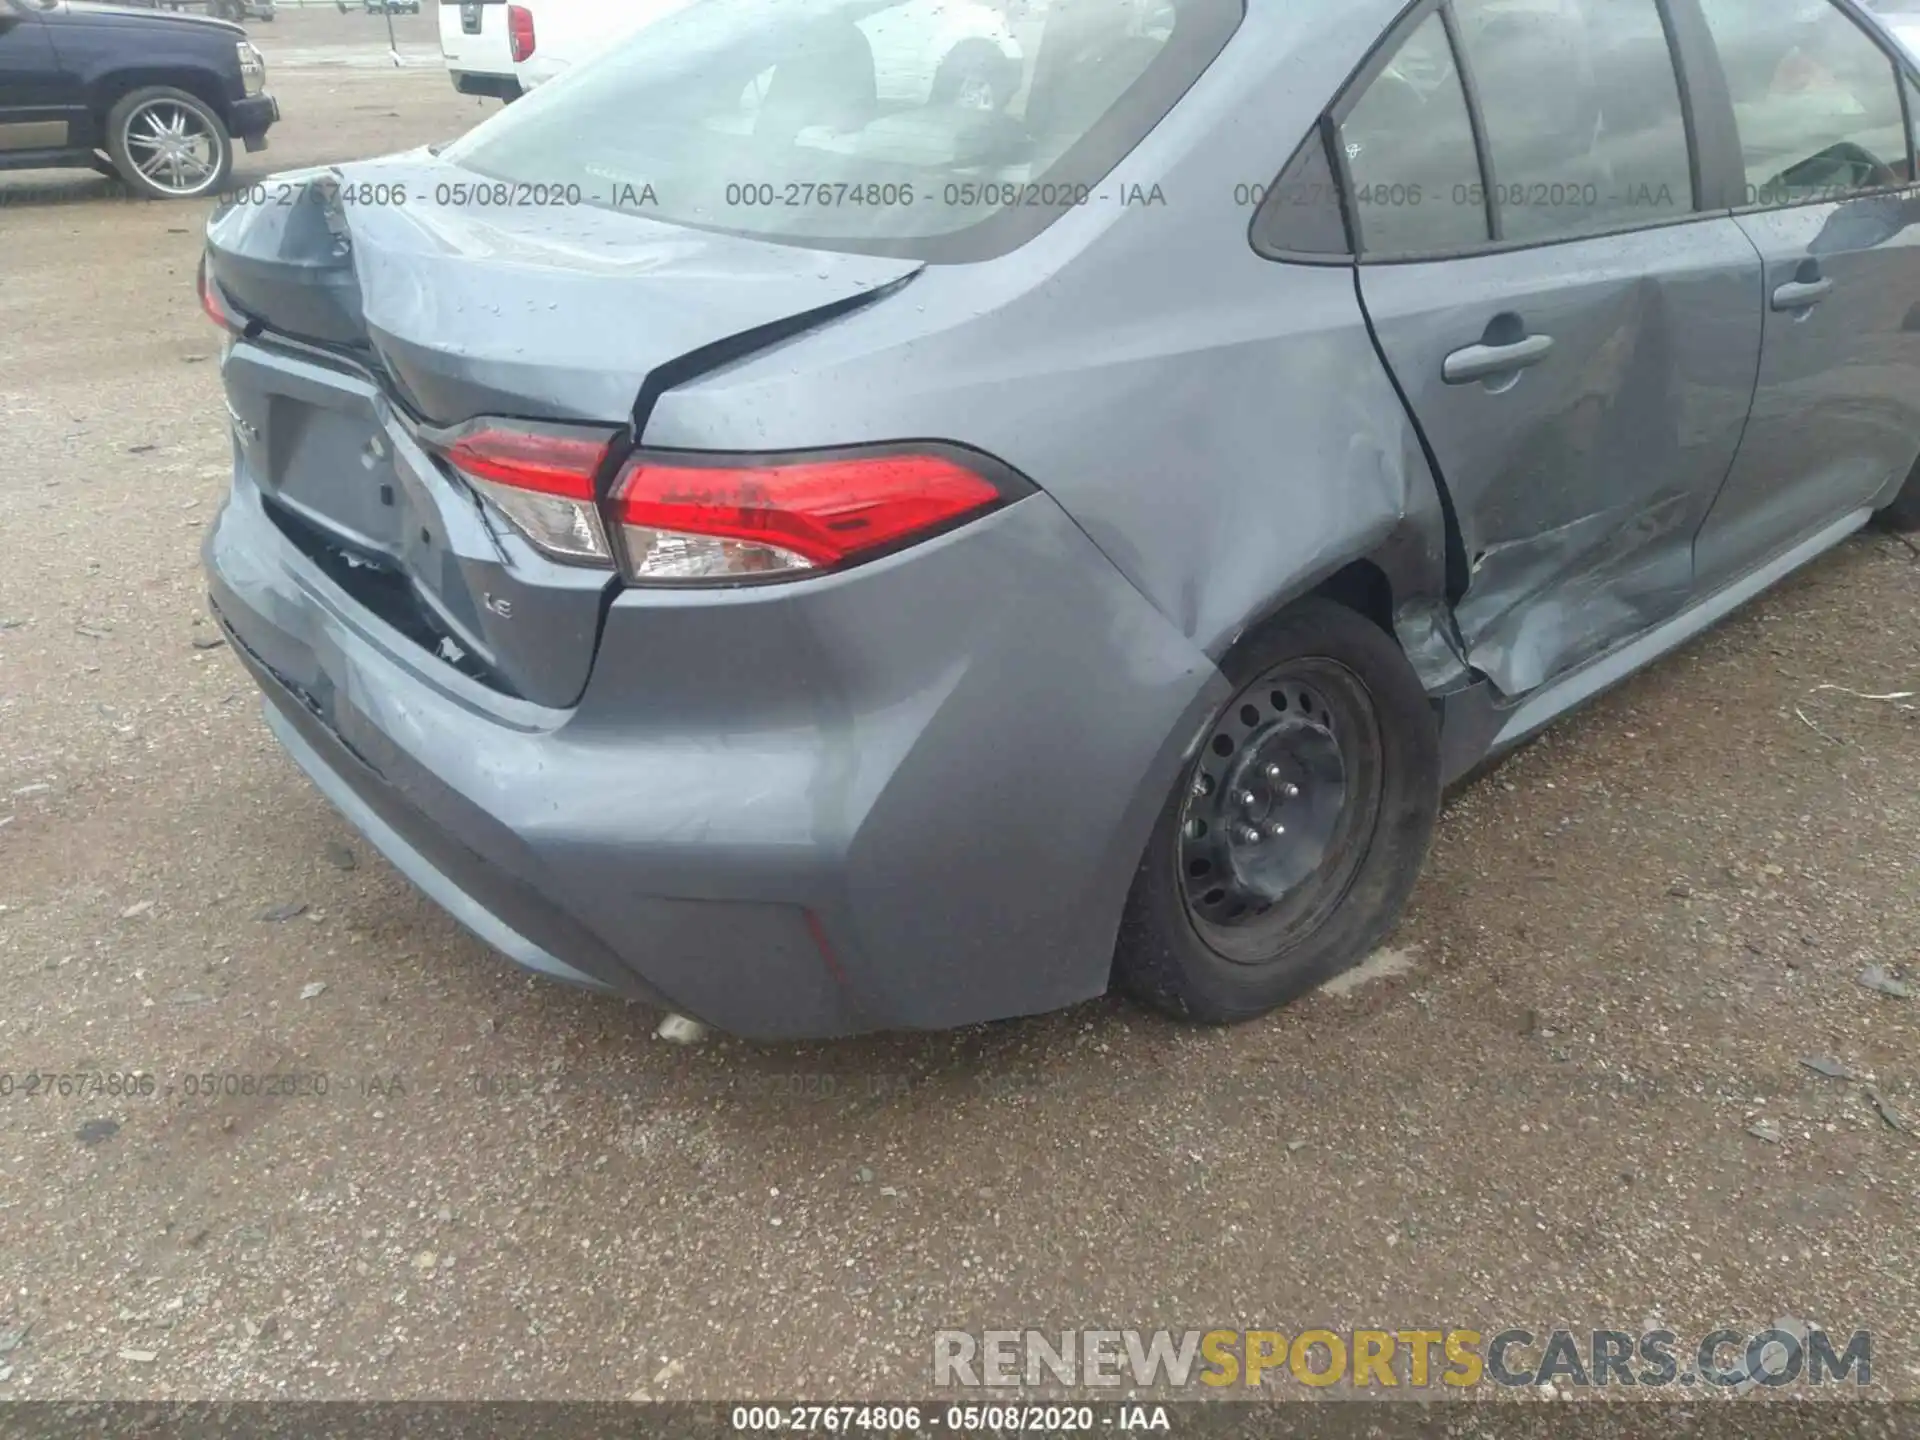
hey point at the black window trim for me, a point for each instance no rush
(1719, 170)
(1499, 245)
(1476, 123)
(1384, 52)
(1327, 125)
(1683, 78)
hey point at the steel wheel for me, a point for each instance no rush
(172, 146)
(1287, 847)
(1279, 809)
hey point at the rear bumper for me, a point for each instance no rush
(474, 82)
(912, 796)
(487, 901)
(536, 70)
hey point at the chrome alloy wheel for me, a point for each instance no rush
(170, 145)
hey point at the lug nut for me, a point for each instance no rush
(1273, 772)
(1249, 799)
(1292, 792)
(1276, 829)
(1249, 835)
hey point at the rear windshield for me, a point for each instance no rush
(934, 129)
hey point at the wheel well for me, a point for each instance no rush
(1362, 587)
(109, 90)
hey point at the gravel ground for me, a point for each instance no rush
(1541, 1110)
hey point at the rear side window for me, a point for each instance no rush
(1817, 102)
(932, 129)
(1581, 102)
(1300, 214)
(1408, 144)
(1580, 117)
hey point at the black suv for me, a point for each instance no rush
(152, 96)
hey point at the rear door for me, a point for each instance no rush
(1575, 331)
(1822, 115)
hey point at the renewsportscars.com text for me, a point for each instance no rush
(1442, 1357)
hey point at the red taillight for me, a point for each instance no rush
(708, 522)
(211, 303)
(541, 478)
(520, 31)
(717, 519)
(543, 460)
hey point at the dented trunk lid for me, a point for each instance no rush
(379, 312)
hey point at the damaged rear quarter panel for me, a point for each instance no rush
(1225, 455)
(1219, 425)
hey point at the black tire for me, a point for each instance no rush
(1903, 515)
(976, 71)
(130, 112)
(1379, 830)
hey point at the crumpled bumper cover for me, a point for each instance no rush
(910, 796)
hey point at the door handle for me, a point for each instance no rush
(1801, 294)
(1487, 362)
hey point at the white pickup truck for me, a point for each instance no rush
(474, 40)
(959, 51)
(556, 34)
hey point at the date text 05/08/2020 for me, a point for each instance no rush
(953, 1419)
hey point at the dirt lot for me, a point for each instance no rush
(1543, 1111)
